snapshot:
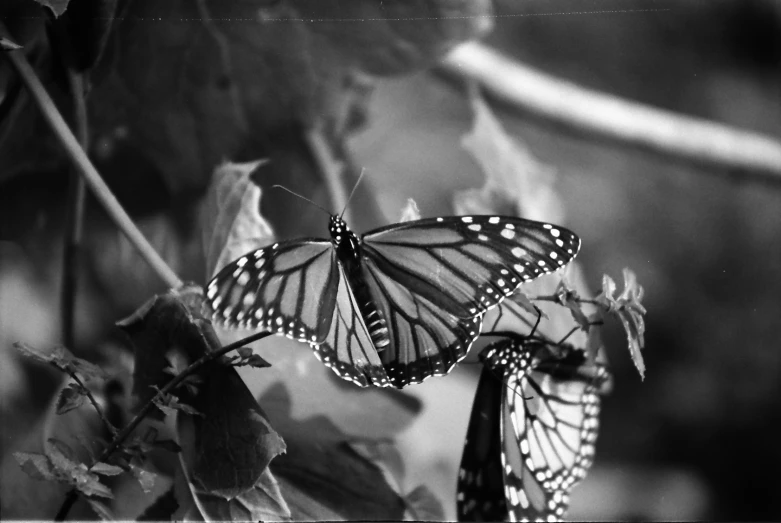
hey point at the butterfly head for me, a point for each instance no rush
(341, 235)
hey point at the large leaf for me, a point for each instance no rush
(323, 477)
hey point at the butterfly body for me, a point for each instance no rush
(395, 306)
(532, 433)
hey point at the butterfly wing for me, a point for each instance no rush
(348, 349)
(480, 489)
(289, 288)
(433, 279)
(552, 408)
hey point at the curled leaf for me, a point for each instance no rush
(35, 465)
(232, 224)
(569, 297)
(71, 397)
(628, 309)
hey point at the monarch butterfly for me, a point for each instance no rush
(532, 431)
(397, 305)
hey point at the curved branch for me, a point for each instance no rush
(79, 158)
(598, 114)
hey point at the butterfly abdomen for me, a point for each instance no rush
(348, 251)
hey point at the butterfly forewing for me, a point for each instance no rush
(468, 264)
(289, 288)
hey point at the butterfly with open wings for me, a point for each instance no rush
(396, 305)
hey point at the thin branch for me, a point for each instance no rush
(106, 423)
(74, 216)
(596, 114)
(331, 169)
(81, 161)
(119, 438)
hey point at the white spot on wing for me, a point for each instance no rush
(518, 252)
(508, 233)
(493, 219)
(474, 227)
(466, 219)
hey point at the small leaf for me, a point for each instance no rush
(89, 485)
(104, 469)
(33, 353)
(423, 505)
(244, 352)
(569, 298)
(410, 212)
(60, 454)
(35, 465)
(101, 510)
(71, 397)
(145, 478)
(628, 309)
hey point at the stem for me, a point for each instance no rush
(84, 165)
(119, 438)
(106, 423)
(74, 216)
(595, 114)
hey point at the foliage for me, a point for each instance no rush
(198, 443)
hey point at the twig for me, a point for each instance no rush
(119, 438)
(74, 216)
(331, 169)
(79, 158)
(555, 299)
(596, 114)
(106, 423)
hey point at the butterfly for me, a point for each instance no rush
(395, 306)
(532, 431)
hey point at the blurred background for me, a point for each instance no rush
(698, 439)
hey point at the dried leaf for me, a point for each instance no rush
(568, 297)
(71, 397)
(630, 311)
(516, 184)
(232, 224)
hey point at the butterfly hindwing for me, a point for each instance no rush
(348, 348)
(425, 339)
(548, 425)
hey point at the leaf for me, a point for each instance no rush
(162, 509)
(324, 477)
(101, 510)
(166, 324)
(630, 311)
(227, 449)
(422, 505)
(64, 360)
(232, 224)
(104, 469)
(145, 478)
(516, 184)
(57, 7)
(569, 298)
(35, 465)
(71, 397)
(410, 212)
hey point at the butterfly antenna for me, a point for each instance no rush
(353, 191)
(302, 197)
